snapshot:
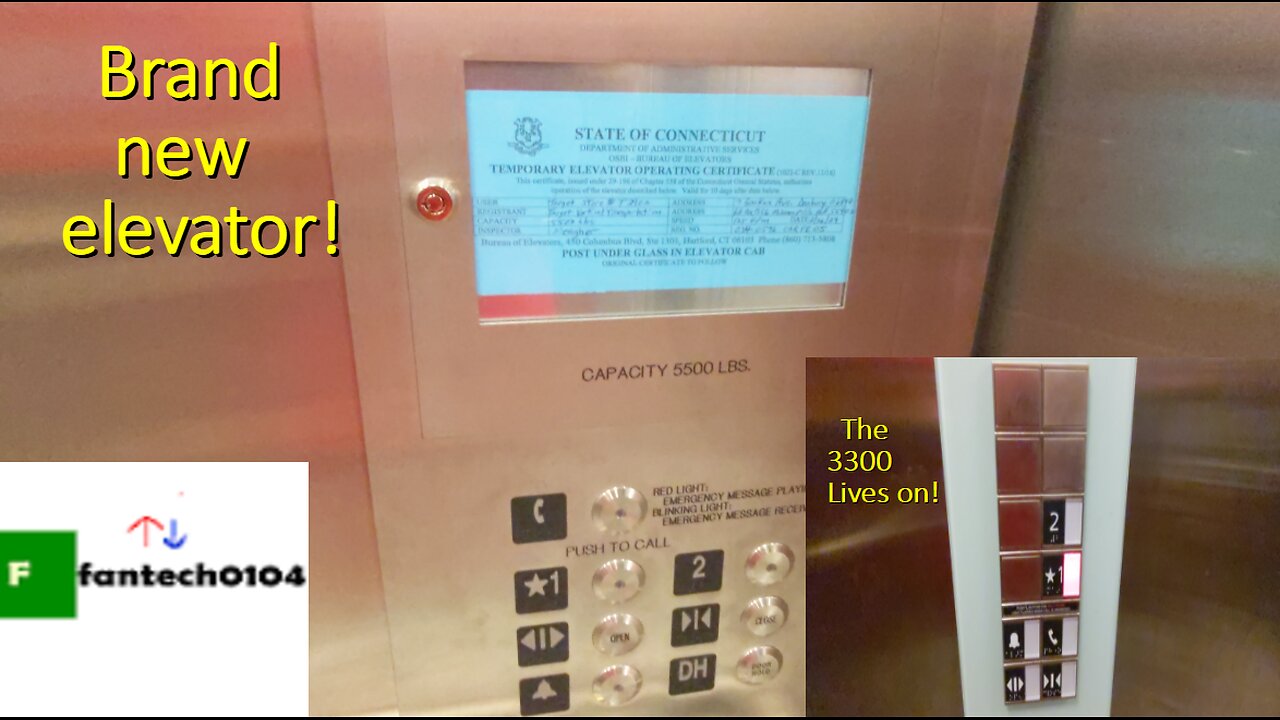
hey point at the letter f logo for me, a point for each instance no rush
(19, 569)
(38, 574)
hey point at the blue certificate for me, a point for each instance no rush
(618, 203)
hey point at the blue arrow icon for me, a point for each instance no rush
(173, 541)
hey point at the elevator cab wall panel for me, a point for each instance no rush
(587, 250)
(1141, 211)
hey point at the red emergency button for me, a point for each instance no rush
(434, 202)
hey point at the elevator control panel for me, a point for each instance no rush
(1040, 441)
(586, 252)
(699, 590)
(1025, 441)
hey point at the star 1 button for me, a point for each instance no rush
(542, 590)
(1051, 578)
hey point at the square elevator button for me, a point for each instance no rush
(1051, 579)
(1066, 398)
(1054, 522)
(1015, 684)
(1020, 579)
(1017, 397)
(538, 518)
(1022, 640)
(1018, 461)
(1020, 522)
(542, 644)
(699, 572)
(692, 674)
(546, 694)
(695, 625)
(1051, 636)
(1051, 680)
(1064, 458)
(542, 590)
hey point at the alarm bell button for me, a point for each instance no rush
(616, 685)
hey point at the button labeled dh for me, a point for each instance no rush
(692, 674)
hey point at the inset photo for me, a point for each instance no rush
(1077, 536)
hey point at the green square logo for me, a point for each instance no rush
(37, 574)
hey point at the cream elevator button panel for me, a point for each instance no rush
(1041, 414)
(696, 603)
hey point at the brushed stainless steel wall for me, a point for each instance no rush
(882, 623)
(1199, 625)
(186, 359)
(1142, 211)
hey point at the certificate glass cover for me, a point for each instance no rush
(633, 190)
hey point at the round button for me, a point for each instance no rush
(765, 615)
(434, 202)
(759, 665)
(619, 510)
(769, 563)
(616, 685)
(618, 580)
(617, 634)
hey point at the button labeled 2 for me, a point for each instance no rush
(542, 590)
(699, 572)
(538, 518)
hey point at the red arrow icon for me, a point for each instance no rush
(146, 521)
